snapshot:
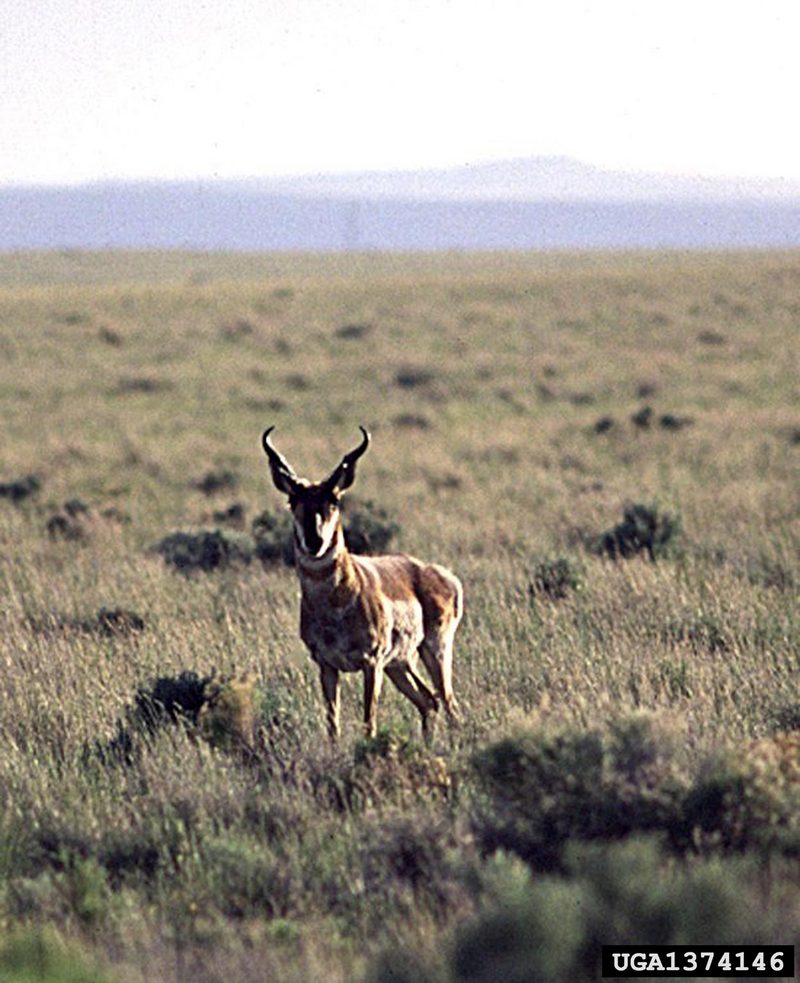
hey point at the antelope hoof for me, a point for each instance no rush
(453, 713)
(428, 723)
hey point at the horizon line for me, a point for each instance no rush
(398, 171)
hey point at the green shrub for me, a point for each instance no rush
(413, 377)
(405, 862)
(785, 716)
(19, 489)
(554, 579)
(233, 515)
(553, 930)
(140, 851)
(775, 574)
(169, 699)
(106, 623)
(643, 417)
(537, 939)
(386, 769)
(66, 527)
(207, 549)
(39, 957)
(227, 716)
(673, 422)
(747, 799)
(703, 633)
(73, 864)
(217, 481)
(542, 789)
(368, 529)
(674, 678)
(644, 529)
(603, 424)
(249, 879)
(403, 966)
(85, 887)
(274, 538)
(353, 331)
(634, 892)
(219, 708)
(74, 887)
(412, 421)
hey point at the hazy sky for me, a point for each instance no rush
(93, 89)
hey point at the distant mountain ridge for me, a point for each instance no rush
(538, 203)
(527, 179)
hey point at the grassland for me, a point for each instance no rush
(501, 393)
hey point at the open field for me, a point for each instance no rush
(620, 708)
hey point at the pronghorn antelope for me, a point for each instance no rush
(371, 614)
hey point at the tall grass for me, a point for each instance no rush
(125, 379)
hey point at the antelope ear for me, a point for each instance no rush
(345, 474)
(283, 476)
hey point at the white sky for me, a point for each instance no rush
(95, 89)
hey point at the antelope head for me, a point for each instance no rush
(315, 506)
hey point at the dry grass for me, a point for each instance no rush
(125, 379)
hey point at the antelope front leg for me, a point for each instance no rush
(330, 690)
(373, 680)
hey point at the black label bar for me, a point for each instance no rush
(654, 962)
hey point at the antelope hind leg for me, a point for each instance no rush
(437, 655)
(411, 686)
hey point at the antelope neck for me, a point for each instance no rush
(333, 566)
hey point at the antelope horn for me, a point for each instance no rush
(282, 472)
(344, 475)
